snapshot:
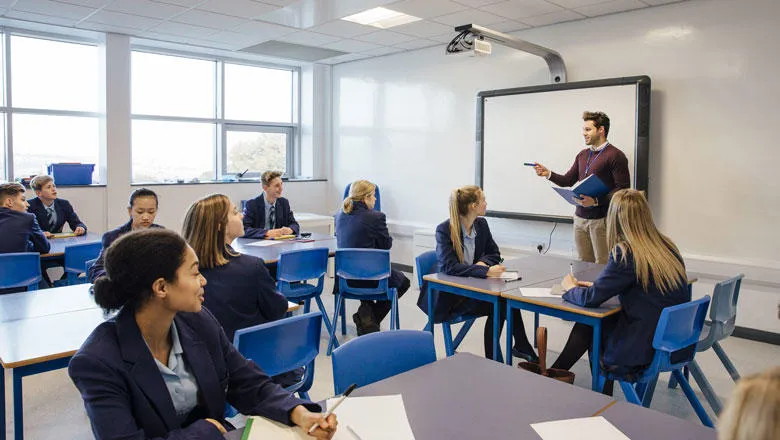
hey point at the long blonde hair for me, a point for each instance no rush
(358, 191)
(204, 229)
(753, 412)
(460, 201)
(631, 229)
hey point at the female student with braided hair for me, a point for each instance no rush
(465, 247)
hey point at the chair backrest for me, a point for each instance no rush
(76, 256)
(377, 194)
(301, 265)
(363, 264)
(723, 310)
(679, 327)
(425, 264)
(20, 269)
(376, 356)
(88, 264)
(283, 345)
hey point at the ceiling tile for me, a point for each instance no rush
(423, 28)
(145, 8)
(54, 9)
(281, 3)
(478, 3)
(571, 4)
(112, 28)
(309, 38)
(344, 58)
(352, 46)
(125, 20)
(555, 17)
(232, 38)
(209, 19)
(264, 31)
(660, 2)
(444, 38)
(88, 3)
(427, 8)
(470, 16)
(383, 51)
(40, 18)
(611, 7)
(386, 38)
(186, 3)
(508, 26)
(183, 30)
(417, 44)
(342, 29)
(237, 8)
(516, 9)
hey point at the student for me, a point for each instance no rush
(142, 209)
(753, 412)
(645, 269)
(163, 367)
(269, 215)
(359, 226)
(52, 212)
(465, 248)
(20, 230)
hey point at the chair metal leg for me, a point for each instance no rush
(672, 382)
(726, 361)
(630, 393)
(447, 331)
(343, 318)
(464, 329)
(695, 403)
(536, 326)
(647, 395)
(427, 327)
(394, 314)
(304, 395)
(705, 387)
(307, 305)
(339, 303)
(325, 319)
(2, 402)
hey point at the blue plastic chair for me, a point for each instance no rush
(364, 264)
(723, 316)
(76, 257)
(88, 264)
(294, 269)
(376, 356)
(679, 327)
(20, 269)
(284, 345)
(377, 205)
(426, 264)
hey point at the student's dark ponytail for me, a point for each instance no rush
(134, 262)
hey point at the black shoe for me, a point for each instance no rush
(364, 327)
(528, 357)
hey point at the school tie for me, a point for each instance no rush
(272, 220)
(49, 217)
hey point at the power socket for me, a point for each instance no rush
(540, 247)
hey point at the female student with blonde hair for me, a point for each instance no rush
(753, 412)
(358, 225)
(465, 247)
(645, 269)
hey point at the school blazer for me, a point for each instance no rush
(21, 233)
(630, 343)
(126, 397)
(366, 229)
(242, 293)
(485, 250)
(254, 217)
(97, 269)
(65, 213)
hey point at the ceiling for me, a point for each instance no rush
(237, 24)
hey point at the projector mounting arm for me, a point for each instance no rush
(551, 57)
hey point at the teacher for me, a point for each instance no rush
(611, 166)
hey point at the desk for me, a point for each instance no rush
(58, 245)
(533, 270)
(270, 254)
(639, 423)
(469, 397)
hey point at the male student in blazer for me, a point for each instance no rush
(52, 212)
(20, 230)
(269, 215)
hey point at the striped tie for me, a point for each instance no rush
(272, 222)
(49, 216)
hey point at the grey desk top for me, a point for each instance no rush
(25, 305)
(639, 423)
(270, 254)
(58, 244)
(469, 397)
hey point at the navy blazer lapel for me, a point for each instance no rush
(143, 369)
(199, 361)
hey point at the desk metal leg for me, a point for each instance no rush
(430, 308)
(497, 333)
(18, 374)
(2, 402)
(509, 328)
(595, 359)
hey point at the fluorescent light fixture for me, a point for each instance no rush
(381, 18)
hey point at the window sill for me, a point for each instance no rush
(222, 182)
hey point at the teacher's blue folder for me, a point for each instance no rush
(590, 186)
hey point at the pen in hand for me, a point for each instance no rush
(335, 405)
(571, 269)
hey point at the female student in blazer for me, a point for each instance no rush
(465, 248)
(359, 226)
(163, 367)
(646, 271)
(142, 209)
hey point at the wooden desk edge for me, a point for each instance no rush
(37, 360)
(430, 279)
(531, 300)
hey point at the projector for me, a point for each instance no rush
(466, 43)
(482, 48)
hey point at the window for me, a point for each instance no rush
(53, 107)
(196, 119)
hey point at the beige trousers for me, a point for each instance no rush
(590, 237)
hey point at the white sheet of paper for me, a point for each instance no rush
(373, 418)
(508, 275)
(579, 429)
(261, 243)
(263, 429)
(537, 292)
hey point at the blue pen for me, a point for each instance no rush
(529, 164)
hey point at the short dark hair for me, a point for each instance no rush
(11, 189)
(268, 176)
(134, 262)
(599, 120)
(38, 182)
(142, 192)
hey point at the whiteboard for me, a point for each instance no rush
(544, 124)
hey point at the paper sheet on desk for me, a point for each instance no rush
(373, 418)
(260, 428)
(508, 275)
(579, 429)
(261, 243)
(536, 292)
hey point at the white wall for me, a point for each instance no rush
(407, 122)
